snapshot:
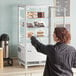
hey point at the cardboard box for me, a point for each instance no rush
(1, 58)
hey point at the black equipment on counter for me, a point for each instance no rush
(4, 39)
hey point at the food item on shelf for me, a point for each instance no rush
(31, 14)
(29, 25)
(40, 14)
(40, 34)
(38, 24)
(41, 24)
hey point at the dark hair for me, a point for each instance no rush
(63, 34)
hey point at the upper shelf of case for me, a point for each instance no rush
(23, 18)
(35, 15)
(30, 11)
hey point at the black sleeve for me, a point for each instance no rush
(39, 46)
(74, 60)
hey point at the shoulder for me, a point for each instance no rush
(70, 47)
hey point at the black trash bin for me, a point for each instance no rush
(4, 44)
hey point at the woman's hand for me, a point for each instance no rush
(30, 34)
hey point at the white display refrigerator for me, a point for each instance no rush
(38, 20)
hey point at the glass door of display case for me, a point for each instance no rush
(33, 19)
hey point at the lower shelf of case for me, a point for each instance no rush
(31, 63)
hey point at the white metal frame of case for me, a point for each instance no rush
(23, 47)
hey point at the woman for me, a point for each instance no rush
(61, 57)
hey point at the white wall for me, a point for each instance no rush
(73, 22)
(9, 19)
